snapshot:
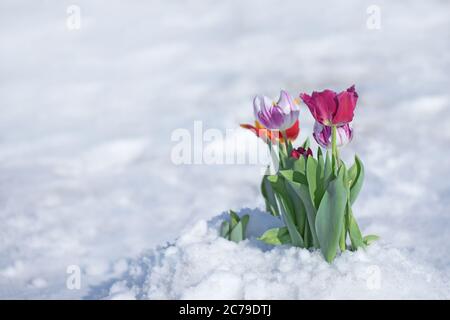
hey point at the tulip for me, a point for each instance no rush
(280, 115)
(297, 153)
(266, 134)
(323, 135)
(330, 108)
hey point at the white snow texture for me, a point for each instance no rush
(86, 177)
(202, 265)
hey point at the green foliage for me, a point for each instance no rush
(330, 216)
(269, 196)
(370, 238)
(235, 229)
(314, 196)
(356, 179)
(276, 236)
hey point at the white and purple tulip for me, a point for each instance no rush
(279, 115)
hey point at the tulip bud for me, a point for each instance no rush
(297, 153)
(322, 134)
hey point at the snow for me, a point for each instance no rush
(86, 177)
(202, 265)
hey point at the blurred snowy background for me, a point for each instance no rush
(87, 114)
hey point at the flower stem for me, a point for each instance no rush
(334, 150)
(286, 146)
(286, 142)
(275, 157)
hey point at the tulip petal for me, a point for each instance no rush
(307, 99)
(322, 105)
(261, 104)
(293, 132)
(345, 135)
(325, 105)
(322, 135)
(259, 131)
(286, 103)
(346, 106)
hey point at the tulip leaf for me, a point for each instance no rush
(354, 232)
(307, 237)
(234, 218)
(355, 179)
(311, 170)
(225, 229)
(269, 196)
(299, 208)
(287, 209)
(343, 238)
(295, 236)
(330, 216)
(235, 229)
(300, 165)
(289, 163)
(237, 233)
(306, 144)
(370, 238)
(276, 236)
(320, 160)
(244, 221)
(299, 184)
(315, 177)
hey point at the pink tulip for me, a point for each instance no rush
(330, 108)
(322, 134)
(279, 115)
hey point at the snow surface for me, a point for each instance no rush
(87, 116)
(202, 265)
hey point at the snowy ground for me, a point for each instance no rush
(201, 265)
(87, 116)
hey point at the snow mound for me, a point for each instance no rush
(201, 265)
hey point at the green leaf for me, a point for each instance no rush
(244, 221)
(287, 209)
(330, 216)
(284, 157)
(306, 144)
(311, 168)
(315, 177)
(300, 165)
(320, 160)
(234, 229)
(298, 182)
(289, 163)
(299, 208)
(269, 196)
(276, 236)
(237, 233)
(356, 178)
(370, 238)
(299, 217)
(295, 236)
(307, 237)
(225, 229)
(353, 229)
(234, 218)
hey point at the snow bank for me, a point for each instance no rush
(201, 265)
